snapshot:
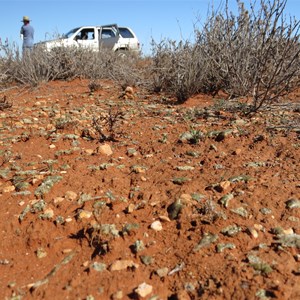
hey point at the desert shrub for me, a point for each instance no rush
(108, 124)
(254, 54)
(177, 68)
(64, 63)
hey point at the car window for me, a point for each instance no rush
(70, 33)
(85, 34)
(107, 33)
(125, 33)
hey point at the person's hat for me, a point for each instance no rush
(25, 19)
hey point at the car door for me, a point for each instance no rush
(108, 36)
(86, 38)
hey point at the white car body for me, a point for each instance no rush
(97, 37)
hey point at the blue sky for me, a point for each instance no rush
(157, 19)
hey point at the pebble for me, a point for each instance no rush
(143, 290)
(252, 232)
(8, 189)
(156, 226)
(105, 149)
(84, 214)
(58, 200)
(163, 272)
(119, 265)
(164, 218)
(70, 195)
(117, 295)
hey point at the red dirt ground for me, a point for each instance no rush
(192, 202)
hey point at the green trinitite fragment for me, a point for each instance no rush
(241, 211)
(24, 213)
(231, 230)
(293, 203)
(146, 259)
(225, 199)
(174, 209)
(207, 239)
(138, 246)
(99, 267)
(180, 180)
(222, 247)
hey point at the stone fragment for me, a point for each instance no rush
(71, 196)
(117, 295)
(156, 226)
(293, 203)
(84, 214)
(162, 272)
(252, 232)
(164, 219)
(143, 290)
(99, 267)
(174, 209)
(226, 199)
(105, 149)
(8, 189)
(41, 253)
(119, 265)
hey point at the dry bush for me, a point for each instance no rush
(65, 63)
(108, 125)
(254, 54)
(177, 68)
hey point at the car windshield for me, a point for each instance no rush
(70, 33)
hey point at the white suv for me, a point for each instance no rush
(113, 37)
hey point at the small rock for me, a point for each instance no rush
(164, 219)
(237, 151)
(48, 213)
(146, 259)
(143, 290)
(130, 208)
(293, 203)
(99, 267)
(156, 226)
(89, 151)
(186, 199)
(163, 272)
(57, 200)
(288, 231)
(105, 149)
(138, 246)
(117, 295)
(70, 195)
(41, 253)
(174, 209)
(129, 90)
(66, 251)
(252, 232)
(8, 189)
(225, 199)
(119, 265)
(84, 214)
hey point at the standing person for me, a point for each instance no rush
(27, 34)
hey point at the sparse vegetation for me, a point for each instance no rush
(253, 54)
